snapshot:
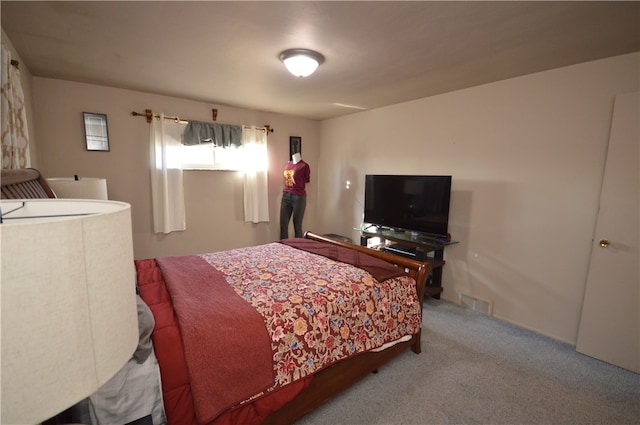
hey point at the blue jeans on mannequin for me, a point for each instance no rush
(292, 204)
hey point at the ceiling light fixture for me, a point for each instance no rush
(301, 62)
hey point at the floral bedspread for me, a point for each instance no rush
(318, 311)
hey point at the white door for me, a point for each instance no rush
(610, 322)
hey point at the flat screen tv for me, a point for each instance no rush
(414, 203)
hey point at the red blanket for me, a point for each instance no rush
(379, 269)
(218, 328)
(167, 344)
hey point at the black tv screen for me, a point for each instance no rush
(415, 203)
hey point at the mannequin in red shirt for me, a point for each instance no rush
(294, 196)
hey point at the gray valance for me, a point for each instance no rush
(221, 135)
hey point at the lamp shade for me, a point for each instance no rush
(83, 188)
(69, 314)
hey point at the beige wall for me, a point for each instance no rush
(214, 199)
(527, 158)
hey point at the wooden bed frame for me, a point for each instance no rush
(340, 376)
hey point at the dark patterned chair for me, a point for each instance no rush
(24, 183)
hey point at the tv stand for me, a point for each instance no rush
(418, 246)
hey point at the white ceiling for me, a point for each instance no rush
(377, 53)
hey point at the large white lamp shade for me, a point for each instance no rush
(81, 188)
(69, 315)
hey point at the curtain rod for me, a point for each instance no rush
(148, 113)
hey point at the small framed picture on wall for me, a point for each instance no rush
(96, 133)
(295, 145)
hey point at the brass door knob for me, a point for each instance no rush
(604, 243)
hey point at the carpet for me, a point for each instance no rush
(476, 369)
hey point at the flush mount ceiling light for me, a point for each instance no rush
(301, 62)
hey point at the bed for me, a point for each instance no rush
(253, 390)
(265, 334)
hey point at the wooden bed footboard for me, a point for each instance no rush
(336, 378)
(416, 269)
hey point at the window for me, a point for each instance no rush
(208, 157)
(252, 155)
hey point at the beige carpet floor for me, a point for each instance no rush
(476, 369)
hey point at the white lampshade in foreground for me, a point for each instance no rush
(69, 315)
(83, 188)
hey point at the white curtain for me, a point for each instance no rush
(256, 188)
(167, 192)
(15, 134)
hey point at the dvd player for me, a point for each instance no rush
(396, 248)
(405, 251)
